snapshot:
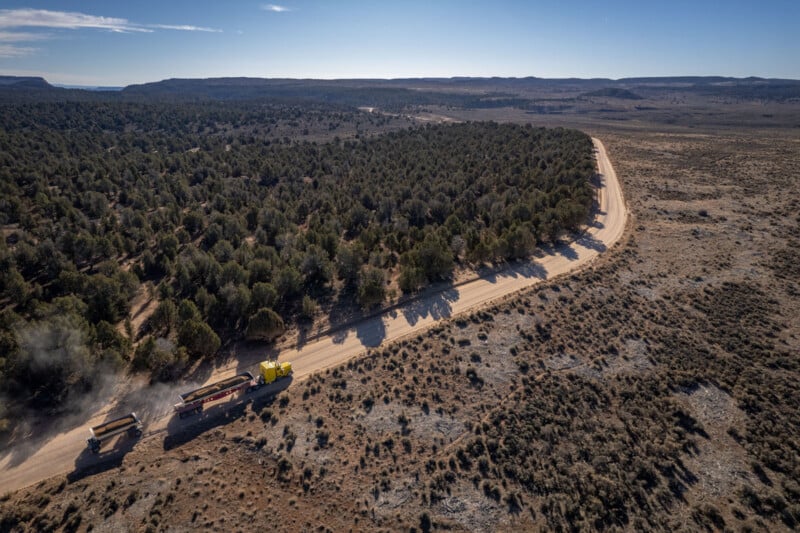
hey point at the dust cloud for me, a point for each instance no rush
(65, 386)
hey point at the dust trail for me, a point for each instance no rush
(51, 367)
(152, 402)
(65, 386)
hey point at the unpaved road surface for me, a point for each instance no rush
(36, 460)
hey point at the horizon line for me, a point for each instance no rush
(389, 79)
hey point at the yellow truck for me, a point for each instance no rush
(269, 371)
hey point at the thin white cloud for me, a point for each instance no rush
(183, 27)
(21, 36)
(8, 40)
(275, 8)
(43, 18)
(10, 50)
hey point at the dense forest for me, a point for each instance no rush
(243, 225)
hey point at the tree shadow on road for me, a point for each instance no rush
(339, 336)
(303, 329)
(250, 354)
(371, 332)
(563, 249)
(590, 242)
(437, 305)
(341, 317)
(526, 268)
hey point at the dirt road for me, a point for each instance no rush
(66, 452)
(606, 229)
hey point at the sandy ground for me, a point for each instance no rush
(37, 460)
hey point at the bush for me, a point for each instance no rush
(412, 278)
(434, 257)
(160, 358)
(163, 318)
(187, 310)
(263, 295)
(371, 287)
(198, 338)
(264, 325)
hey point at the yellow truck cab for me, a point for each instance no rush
(270, 371)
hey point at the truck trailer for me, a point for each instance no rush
(192, 401)
(268, 372)
(105, 431)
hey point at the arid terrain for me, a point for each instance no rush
(656, 389)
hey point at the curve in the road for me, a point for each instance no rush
(59, 455)
(606, 229)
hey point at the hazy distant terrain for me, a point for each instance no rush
(400, 93)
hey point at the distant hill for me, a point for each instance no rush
(386, 94)
(396, 94)
(24, 82)
(614, 92)
(226, 88)
(36, 89)
(455, 91)
(701, 80)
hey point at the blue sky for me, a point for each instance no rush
(119, 43)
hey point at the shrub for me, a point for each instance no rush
(264, 325)
(371, 287)
(198, 338)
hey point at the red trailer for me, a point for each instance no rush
(192, 402)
